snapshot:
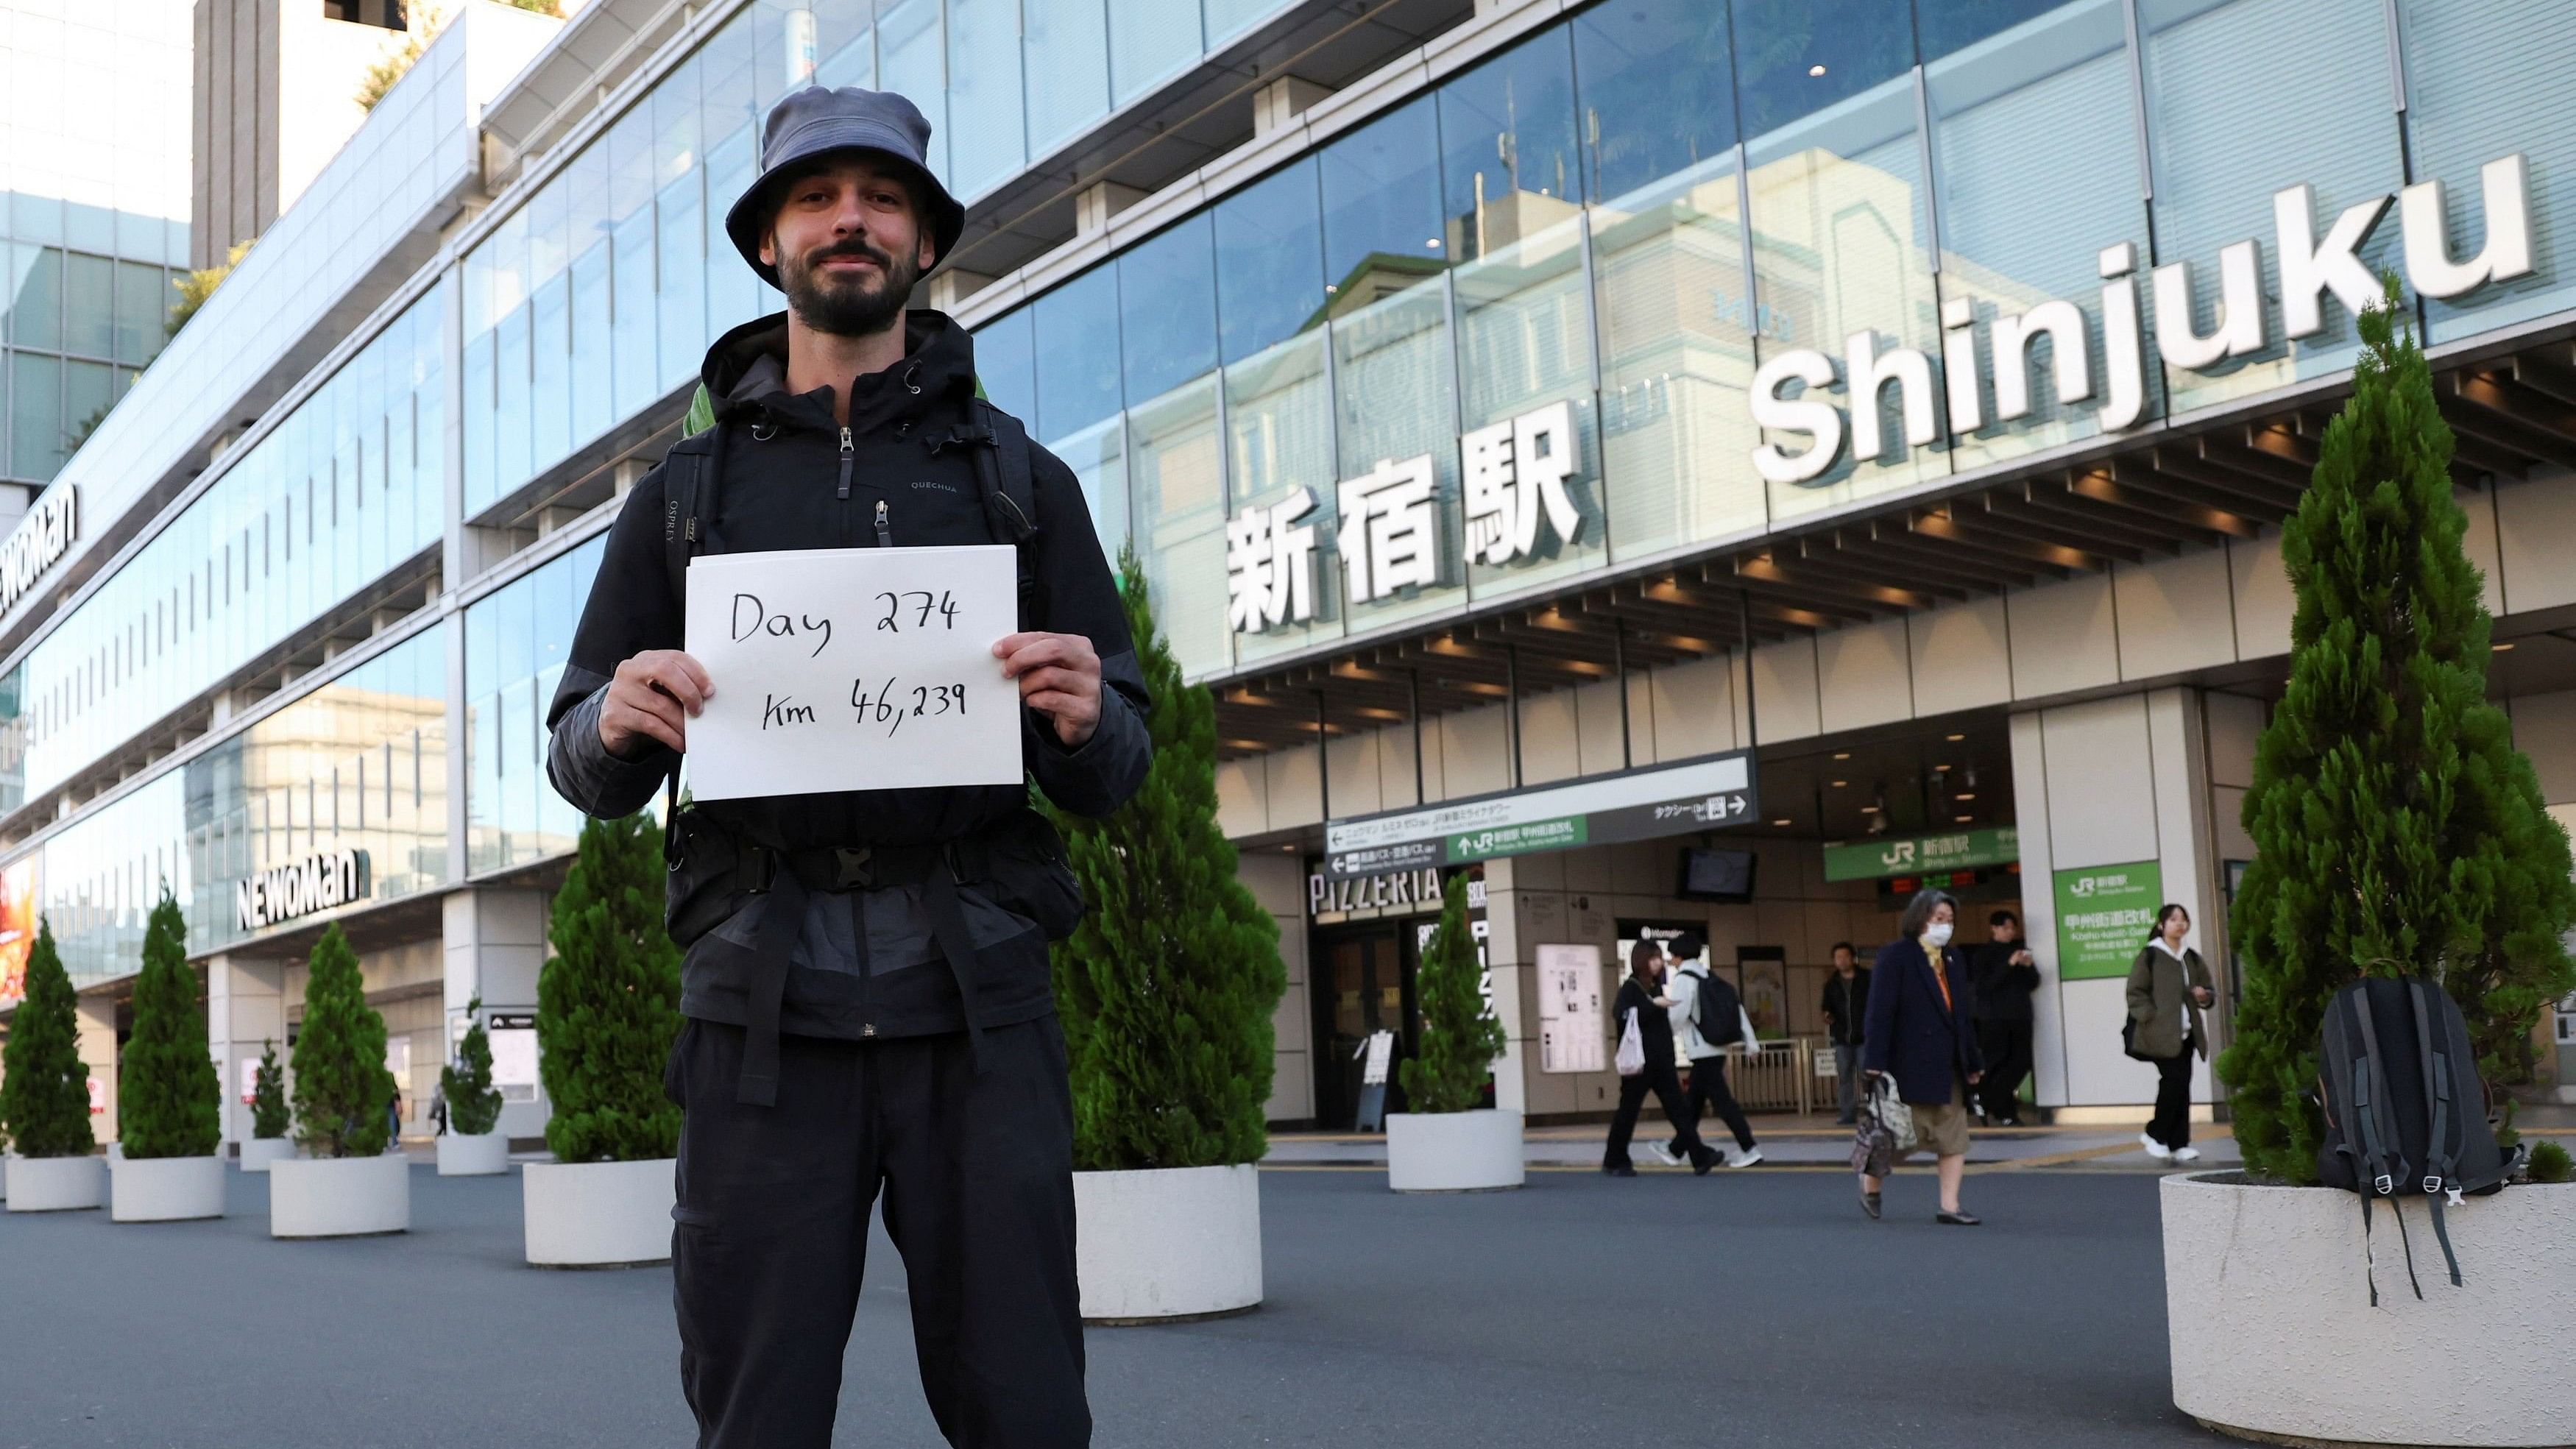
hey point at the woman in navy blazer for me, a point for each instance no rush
(1921, 1029)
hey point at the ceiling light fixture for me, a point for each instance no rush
(1815, 70)
(2500, 648)
(1842, 754)
(1965, 795)
(1964, 819)
(1783, 822)
(1954, 739)
(1838, 784)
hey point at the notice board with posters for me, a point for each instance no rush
(1571, 1029)
(2104, 913)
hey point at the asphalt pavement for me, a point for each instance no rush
(1745, 1308)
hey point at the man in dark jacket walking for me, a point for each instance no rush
(865, 986)
(1845, 1006)
(2004, 974)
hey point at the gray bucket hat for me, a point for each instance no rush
(817, 120)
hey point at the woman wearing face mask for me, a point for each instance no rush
(1920, 1029)
(2168, 986)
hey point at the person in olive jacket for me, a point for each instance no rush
(2168, 989)
(1921, 1029)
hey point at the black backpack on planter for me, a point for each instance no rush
(2405, 1111)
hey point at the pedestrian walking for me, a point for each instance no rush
(1846, 1000)
(1703, 1004)
(865, 986)
(1642, 1001)
(1921, 1033)
(2168, 988)
(2005, 974)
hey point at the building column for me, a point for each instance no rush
(1509, 968)
(2105, 783)
(245, 1012)
(495, 943)
(1277, 880)
(96, 1026)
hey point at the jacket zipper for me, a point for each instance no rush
(847, 454)
(885, 528)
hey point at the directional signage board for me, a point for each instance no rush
(1708, 793)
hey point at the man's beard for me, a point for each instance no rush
(848, 306)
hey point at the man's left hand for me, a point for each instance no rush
(1059, 677)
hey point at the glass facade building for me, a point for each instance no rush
(93, 218)
(1578, 233)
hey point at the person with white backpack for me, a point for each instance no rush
(1708, 1017)
(1646, 1061)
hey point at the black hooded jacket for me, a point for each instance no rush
(785, 486)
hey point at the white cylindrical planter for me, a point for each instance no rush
(599, 1214)
(339, 1197)
(165, 1189)
(485, 1154)
(2274, 1336)
(259, 1152)
(1453, 1151)
(53, 1184)
(1167, 1243)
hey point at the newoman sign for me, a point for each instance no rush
(300, 888)
(38, 543)
(2309, 267)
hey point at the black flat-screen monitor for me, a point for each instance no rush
(1716, 875)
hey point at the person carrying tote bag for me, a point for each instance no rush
(2168, 989)
(1643, 1005)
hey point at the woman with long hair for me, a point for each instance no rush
(2168, 988)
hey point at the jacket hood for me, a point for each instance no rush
(746, 370)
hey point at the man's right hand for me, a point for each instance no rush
(650, 701)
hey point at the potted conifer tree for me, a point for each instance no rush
(170, 1108)
(1451, 1141)
(1166, 990)
(346, 1184)
(470, 1147)
(44, 1094)
(268, 1117)
(608, 1009)
(2397, 832)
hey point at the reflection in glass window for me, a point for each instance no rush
(1509, 167)
(1150, 40)
(1842, 248)
(1279, 438)
(1394, 397)
(1957, 24)
(735, 293)
(2481, 83)
(1525, 345)
(1077, 332)
(1167, 307)
(2214, 77)
(516, 639)
(1381, 190)
(142, 301)
(35, 414)
(1269, 260)
(1006, 365)
(1794, 58)
(844, 44)
(985, 142)
(1180, 519)
(1658, 92)
(89, 309)
(909, 61)
(35, 297)
(1067, 45)
(2048, 98)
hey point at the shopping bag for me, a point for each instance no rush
(1632, 1048)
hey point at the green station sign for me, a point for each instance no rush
(2104, 913)
(1923, 854)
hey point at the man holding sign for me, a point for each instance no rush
(864, 608)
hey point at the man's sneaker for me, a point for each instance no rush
(1745, 1157)
(2186, 1154)
(1662, 1154)
(2155, 1149)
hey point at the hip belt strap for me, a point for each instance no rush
(780, 919)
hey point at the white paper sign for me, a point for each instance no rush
(853, 669)
(1569, 1009)
(514, 1062)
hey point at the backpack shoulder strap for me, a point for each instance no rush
(2369, 1102)
(1008, 483)
(692, 481)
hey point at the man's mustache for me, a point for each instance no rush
(815, 259)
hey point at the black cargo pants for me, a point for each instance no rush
(772, 1231)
